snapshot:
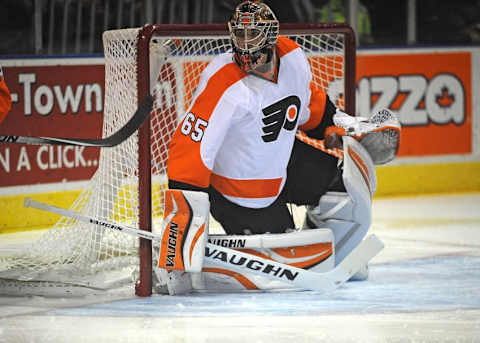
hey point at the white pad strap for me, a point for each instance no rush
(334, 210)
(184, 231)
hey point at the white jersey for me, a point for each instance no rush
(238, 133)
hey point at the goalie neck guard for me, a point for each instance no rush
(254, 32)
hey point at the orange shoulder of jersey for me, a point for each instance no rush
(185, 163)
(5, 100)
(318, 101)
(285, 45)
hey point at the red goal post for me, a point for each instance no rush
(320, 41)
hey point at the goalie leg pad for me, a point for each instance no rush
(308, 249)
(348, 214)
(184, 231)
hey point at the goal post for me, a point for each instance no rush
(74, 258)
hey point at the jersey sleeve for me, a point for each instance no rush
(316, 108)
(321, 110)
(200, 134)
(318, 115)
(5, 98)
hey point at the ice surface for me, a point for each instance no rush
(423, 287)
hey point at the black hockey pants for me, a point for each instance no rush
(311, 173)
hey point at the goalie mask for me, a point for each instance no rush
(254, 33)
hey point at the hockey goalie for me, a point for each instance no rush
(258, 136)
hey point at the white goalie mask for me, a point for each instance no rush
(254, 30)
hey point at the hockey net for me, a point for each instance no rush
(73, 258)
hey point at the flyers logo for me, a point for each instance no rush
(283, 113)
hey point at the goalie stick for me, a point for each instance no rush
(118, 137)
(243, 262)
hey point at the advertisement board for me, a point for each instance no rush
(57, 98)
(432, 94)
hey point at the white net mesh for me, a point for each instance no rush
(74, 258)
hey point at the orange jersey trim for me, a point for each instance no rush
(246, 188)
(184, 153)
(216, 86)
(318, 101)
(285, 45)
(183, 157)
(5, 100)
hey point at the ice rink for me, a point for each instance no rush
(423, 287)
